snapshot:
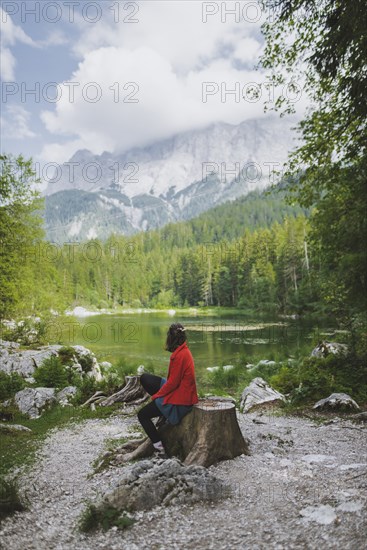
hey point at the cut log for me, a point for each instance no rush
(132, 392)
(208, 434)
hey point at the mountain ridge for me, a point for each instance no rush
(171, 180)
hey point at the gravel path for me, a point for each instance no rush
(304, 486)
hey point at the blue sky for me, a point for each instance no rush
(127, 73)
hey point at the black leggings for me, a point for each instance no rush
(151, 384)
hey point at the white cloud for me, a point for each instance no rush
(15, 123)
(169, 54)
(10, 34)
(247, 50)
(7, 65)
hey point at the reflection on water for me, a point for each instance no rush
(140, 338)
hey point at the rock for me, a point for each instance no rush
(140, 370)
(25, 362)
(258, 392)
(323, 514)
(33, 401)
(337, 401)
(150, 483)
(83, 353)
(266, 363)
(12, 428)
(65, 394)
(325, 348)
(105, 365)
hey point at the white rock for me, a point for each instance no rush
(335, 401)
(258, 392)
(32, 401)
(351, 506)
(323, 514)
(324, 348)
(63, 396)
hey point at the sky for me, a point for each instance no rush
(110, 75)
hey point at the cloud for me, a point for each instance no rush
(15, 123)
(165, 62)
(10, 34)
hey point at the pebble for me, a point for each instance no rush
(273, 486)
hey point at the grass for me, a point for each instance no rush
(94, 518)
(10, 501)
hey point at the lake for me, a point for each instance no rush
(214, 340)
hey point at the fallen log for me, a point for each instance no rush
(208, 434)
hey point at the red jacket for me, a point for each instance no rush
(180, 388)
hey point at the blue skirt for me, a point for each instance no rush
(173, 413)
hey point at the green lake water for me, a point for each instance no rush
(229, 339)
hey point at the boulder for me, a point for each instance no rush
(325, 348)
(337, 401)
(33, 401)
(83, 353)
(63, 396)
(257, 393)
(23, 362)
(151, 483)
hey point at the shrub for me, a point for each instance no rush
(86, 362)
(10, 384)
(94, 518)
(52, 373)
(315, 378)
(10, 501)
(66, 355)
(87, 386)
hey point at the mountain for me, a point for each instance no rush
(175, 179)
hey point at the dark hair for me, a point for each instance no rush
(176, 336)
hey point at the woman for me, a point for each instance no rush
(174, 397)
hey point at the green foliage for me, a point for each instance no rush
(225, 379)
(87, 386)
(52, 373)
(323, 46)
(10, 384)
(86, 362)
(66, 355)
(20, 229)
(94, 518)
(312, 378)
(10, 500)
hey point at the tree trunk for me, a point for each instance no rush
(208, 434)
(132, 392)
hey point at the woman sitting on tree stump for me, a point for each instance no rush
(173, 397)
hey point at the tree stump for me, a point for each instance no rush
(132, 392)
(208, 434)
